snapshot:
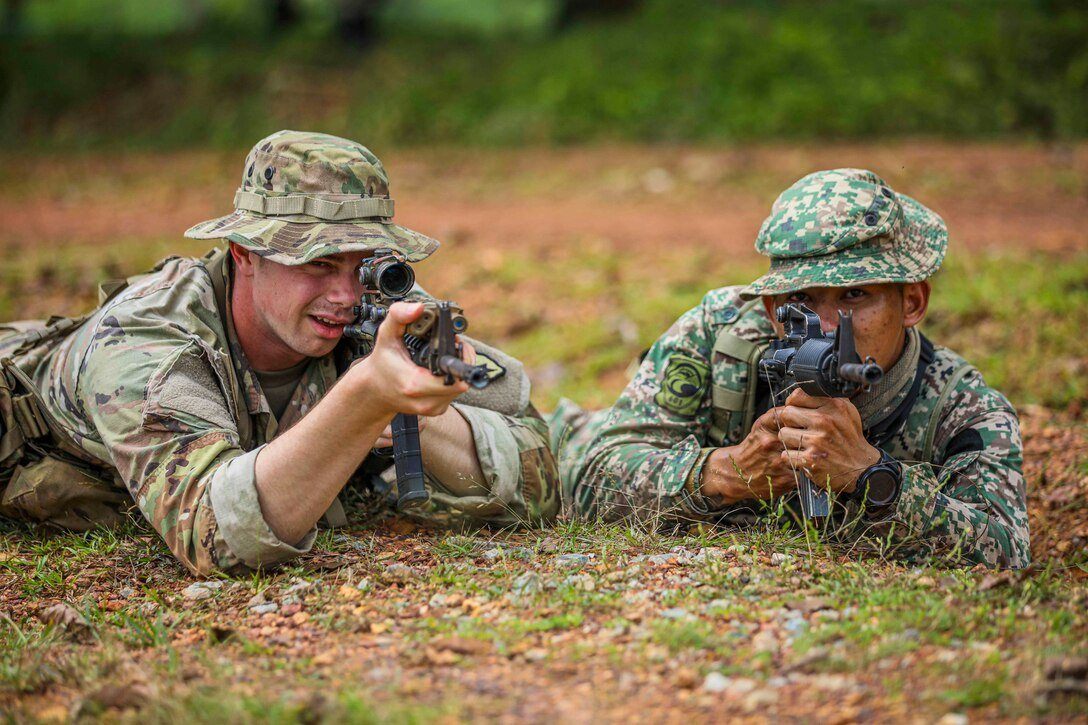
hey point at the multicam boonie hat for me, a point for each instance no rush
(307, 195)
(843, 228)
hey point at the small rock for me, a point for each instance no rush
(364, 585)
(765, 641)
(573, 560)
(291, 601)
(718, 605)
(658, 181)
(508, 552)
(148, 608)
(536, 654)
(737, 548)
(200, 590)
(265, 608)
(779, 558)
(716, 682)
(527, 584)
(709, 554)
(740, 686)
(437, 601)
(127, 593)
(795, 626)
(257, 599)
(580, 582)
(400, 572)
(953, 718)
(760, 698)
(676, 613)
(298, 586)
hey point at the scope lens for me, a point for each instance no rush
(395, 279)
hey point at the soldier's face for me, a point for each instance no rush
(882, 312)
(297, 311)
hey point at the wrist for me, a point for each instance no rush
(721, 482)
(364, 387)
(872, 457)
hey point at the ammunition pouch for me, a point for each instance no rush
(53, 491)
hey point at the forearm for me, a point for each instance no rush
(627, 477)
(449, 454)
(983, 531)
(300, 473)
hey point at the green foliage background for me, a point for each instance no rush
(86, 73)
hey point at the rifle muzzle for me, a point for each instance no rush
(474, 375)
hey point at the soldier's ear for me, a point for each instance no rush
(915, 302)
(243, 259)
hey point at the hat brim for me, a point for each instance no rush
(914, 253)
(294, 243)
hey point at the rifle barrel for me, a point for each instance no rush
(474, 375)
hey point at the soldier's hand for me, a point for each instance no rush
(395, 384)
(752, 469)
(824, 437)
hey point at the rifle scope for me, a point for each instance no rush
(388, 275)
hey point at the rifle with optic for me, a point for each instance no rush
(822, 364)
(432, 343)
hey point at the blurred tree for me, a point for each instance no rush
(572, 12)
(11, 22)
(357, 20)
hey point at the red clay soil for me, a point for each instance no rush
(642, 198)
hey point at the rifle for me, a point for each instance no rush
(825, 365)
(432, 343)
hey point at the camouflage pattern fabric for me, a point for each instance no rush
(644, 457)
(155, 390)
(847, 227)
(306, 195)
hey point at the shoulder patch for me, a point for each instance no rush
(683, 384)
(494, 370)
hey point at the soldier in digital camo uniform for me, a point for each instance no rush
(205, 389)
(694, 436)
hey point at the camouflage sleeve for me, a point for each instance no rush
(651, 441)
(169, 432)
(522, 478)
(971, 502)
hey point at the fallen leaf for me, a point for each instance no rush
(66, 617)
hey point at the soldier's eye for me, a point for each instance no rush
(854, 294)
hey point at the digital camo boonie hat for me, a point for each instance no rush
(308, 195)
(843, 228)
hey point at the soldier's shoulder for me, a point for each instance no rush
(970, 393)
(174, 304)
(723, 307)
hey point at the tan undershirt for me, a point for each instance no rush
(279, 385)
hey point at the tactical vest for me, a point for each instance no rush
(735, 376)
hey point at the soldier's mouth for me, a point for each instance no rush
(328, 327)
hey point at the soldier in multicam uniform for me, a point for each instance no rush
(205, 389)
(694, 435)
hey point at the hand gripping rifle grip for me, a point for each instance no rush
(408, 458)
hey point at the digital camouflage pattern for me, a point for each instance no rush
(306, 195)
(155, 391)
(847, 227)
(641, 458)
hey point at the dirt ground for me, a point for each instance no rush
(643, 199)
